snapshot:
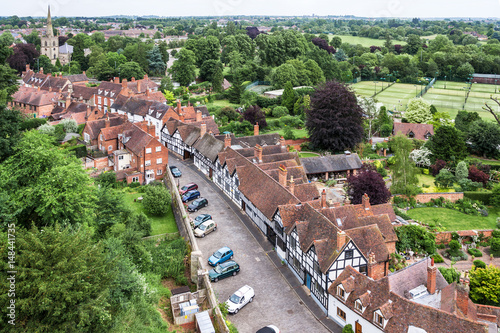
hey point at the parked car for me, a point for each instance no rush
(221, 255)
(224, 270)
(188, 187)
(269, 329)
(239, 299)
(197, 204)
(205, 228)
(175, 171)
(190, 195)
(200, 219)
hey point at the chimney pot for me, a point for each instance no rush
(256, 129)
(132, 79)
(366, 202)
(292, 186)
(178, 106)
(227, 141)
(139, 86)
(258, 153)
(282, 174)
(41, 70)
(116, 80)
(323, 199)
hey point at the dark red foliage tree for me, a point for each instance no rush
(369, 182)
(334, 119)
(323, 44)
(252, 32)
(255, 115)
(437, 166)
(374, 48)
(23, 54)
(398, 48)
(477, 175)
(62, 39)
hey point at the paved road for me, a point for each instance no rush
(275, 302)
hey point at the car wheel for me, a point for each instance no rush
(196, 209)
(203, 235)
(231, 257)
(236, 311)
(215, 228)
(234, 273)
(251, 299)
(216, 279)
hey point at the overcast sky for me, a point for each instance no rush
(368, 8)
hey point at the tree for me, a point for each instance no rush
(416, 238)
(340, 55)
(218, 80)
(289, 96)
(283, 74)
(464, 71)
(10, 122)
(462, 171)
(336, 42)
(23, 55)
(102, 70)
(450, 274)
(477, 175)
(464, 119)
(107, 179)
(130, 69)
(485, 285)
(404, 172)
(413, 44)
(208, 69)
(421, 157)
(70, 125)
(447, 144)
(485, 138)
(254, 115)
(183, 69)
(280, 111)
(367, 182)
(444, 179)
(236, 90)
(166, 84)
(157, 65)
(370, 112)
(156, 199)
(347, 329)
(334, 120)
(65, 283)
(495, 196)
(418, 111)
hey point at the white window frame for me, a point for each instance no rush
(135, 179)
(159, 172)
(158, 148)
(86, 137)
(148, 150)
(147, 163)
(159, 161)
(99, 99)
(378, 319)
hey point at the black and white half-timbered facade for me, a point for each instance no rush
(206, 151)
(180, 138)
(226, 178)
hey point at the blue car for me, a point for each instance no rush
(221, 255)
(190, 195)
(200, 219)
(175, 171)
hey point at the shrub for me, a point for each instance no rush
(156, 200)
(347, 329)
(280, 111)
(495, 234)
(107, 179)
(444, 179)
(477, 175)
(468, 185)
(450, 274)
(437, 166)
(479, 264)
(437, 258)
(495, 196)
(385, 130)
(288, 133)
(69, 125)
(475, 252)
(495, 247)
(454, 248)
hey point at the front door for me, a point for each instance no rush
(271, 235)
(187, 154)
(210, 172)
(308, 280)
(359, 329)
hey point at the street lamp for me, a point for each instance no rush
(445, 82)
(375, 88)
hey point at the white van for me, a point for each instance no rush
(239, 299)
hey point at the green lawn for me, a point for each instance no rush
(306, 154)
(454, 220)
(429, 180)
(299, 133)
(222, 103)
(365, 41)
(160, 225)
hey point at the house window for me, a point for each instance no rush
(340, 313)
(147, 163)
(349, 254)
(358, 306)
(99, 99)
(379, 320)
(296, 263)
(316, 268)
(120, 157)
(148, 150)
(411, 135)
(158, 148)
(363, 269)
(135, 179)
(101, 137)
(293, 242)
(110, 148)
(319, 288)
(86, 137)
(159, 172)
(158, 161)
(340, 292)
(105, 101)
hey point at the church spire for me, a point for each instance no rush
(49, 32)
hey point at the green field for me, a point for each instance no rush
(299, 133)
(454, 220)
(394, 98)
(365, 41)
(306, 154)
(160, 225)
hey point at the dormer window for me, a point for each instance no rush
(358, 306)
(411, 135)
(340, 292)
(379, 319)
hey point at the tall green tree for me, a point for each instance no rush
(130, 69)
(485, 138)
(183, 69)
(8, 83)
(418, 111)
(447, 144)
(156, 64)
(10, 122)
(289, 97)
(404, 171)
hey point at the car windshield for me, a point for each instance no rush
(217, 255)
(218, 269)
(197, 202)
(202, 227)
(199, 218)
(184, 188)
(235, 298)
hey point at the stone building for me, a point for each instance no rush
(50, 43)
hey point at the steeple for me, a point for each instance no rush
(49, 32)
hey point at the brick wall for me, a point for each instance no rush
(378, 270)
(295, 143)
(101, 163)
(426, 197)
(445, 236)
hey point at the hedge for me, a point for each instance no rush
(484, 197)
(437, 258)
(80, 150)
(265, 102)
(475, 252)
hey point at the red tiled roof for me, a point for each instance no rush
(419, 130)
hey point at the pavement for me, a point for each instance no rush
(280, 299)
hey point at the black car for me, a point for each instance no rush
(197, 204)
(175, 171)
(200, 219)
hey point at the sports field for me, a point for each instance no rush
(445, 96)
(365, 41)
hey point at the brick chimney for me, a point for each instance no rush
(366, 202)
(431, 277)
(116, 79)
(138, 86)
(181, 117)
(256, 129)
(282, 142)
(124, 84)
(227, 141)
(179, 106)
(152, 130)
(84, 73)
(282, 173)
(50, 89)
(68, 100)
(198, 115)
(292, 186)
(371, 265)
(107, 123)
(203, 129)
(49, 74)
(258, 153)
(323, 199)
(87, 114)
(41, 70)
(147, 92)
(341, 239)
(463, 299)
(145, 76)
(27, 67)
(132, 79)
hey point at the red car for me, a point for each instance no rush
(188, 187)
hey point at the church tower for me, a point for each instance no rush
(50, 43)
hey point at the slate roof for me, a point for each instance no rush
(76, 77)
(209, 146)
(401, 312)
(66, 48)
(419, 130)
(331, 163)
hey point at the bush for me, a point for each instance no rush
(475, 252)
(32, 123)
(479, 264)
(437, 258)
(156, 200)
(280, 111)
(347, 329)
(495, 234)
(441, 246)
(454, 248)
(495, 247)
(288, 133)
(80, 150)
(450, 274)
(69, 125)
(385, 130)
(134, 184)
